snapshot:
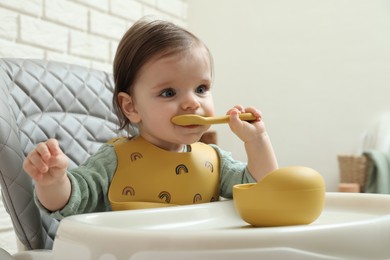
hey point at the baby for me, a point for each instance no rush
(160, 71)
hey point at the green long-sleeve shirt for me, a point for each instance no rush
(90, 182)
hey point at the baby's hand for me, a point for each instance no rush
(46, 164)
(246, 131)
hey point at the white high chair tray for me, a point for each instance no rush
(352, 225)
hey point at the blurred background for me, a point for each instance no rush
(318, 70)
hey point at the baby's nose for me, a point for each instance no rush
(190, 101)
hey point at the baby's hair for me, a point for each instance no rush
(143, 41)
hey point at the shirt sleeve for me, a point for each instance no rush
(89, 183)
(232, 172)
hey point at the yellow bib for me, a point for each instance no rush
(148, 176)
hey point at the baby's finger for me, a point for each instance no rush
(229, 112)
(59, 161)
(37, 161)
(32, 170)
(234, 118)
(239, 108)
(43, 151)
(53, 147)
(254, 111)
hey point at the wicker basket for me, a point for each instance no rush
(354, 169)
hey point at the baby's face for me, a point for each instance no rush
(171, 86)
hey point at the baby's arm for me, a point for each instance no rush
(261, 156)
(47, 165)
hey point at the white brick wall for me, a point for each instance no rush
(83, 32)
(67, 13)
(43, 34)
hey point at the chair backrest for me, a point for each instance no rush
(40, 100)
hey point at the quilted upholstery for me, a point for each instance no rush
(40, 100)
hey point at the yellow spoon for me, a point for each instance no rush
(191, 119)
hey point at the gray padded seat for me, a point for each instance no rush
(40, 100)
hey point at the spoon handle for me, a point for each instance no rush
(225, 119)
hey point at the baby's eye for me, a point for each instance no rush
(202, 89)
(168, 93)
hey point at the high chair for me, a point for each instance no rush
(40, 100)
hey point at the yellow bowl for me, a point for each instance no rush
(287, 196)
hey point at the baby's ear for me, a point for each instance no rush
(128, 108)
